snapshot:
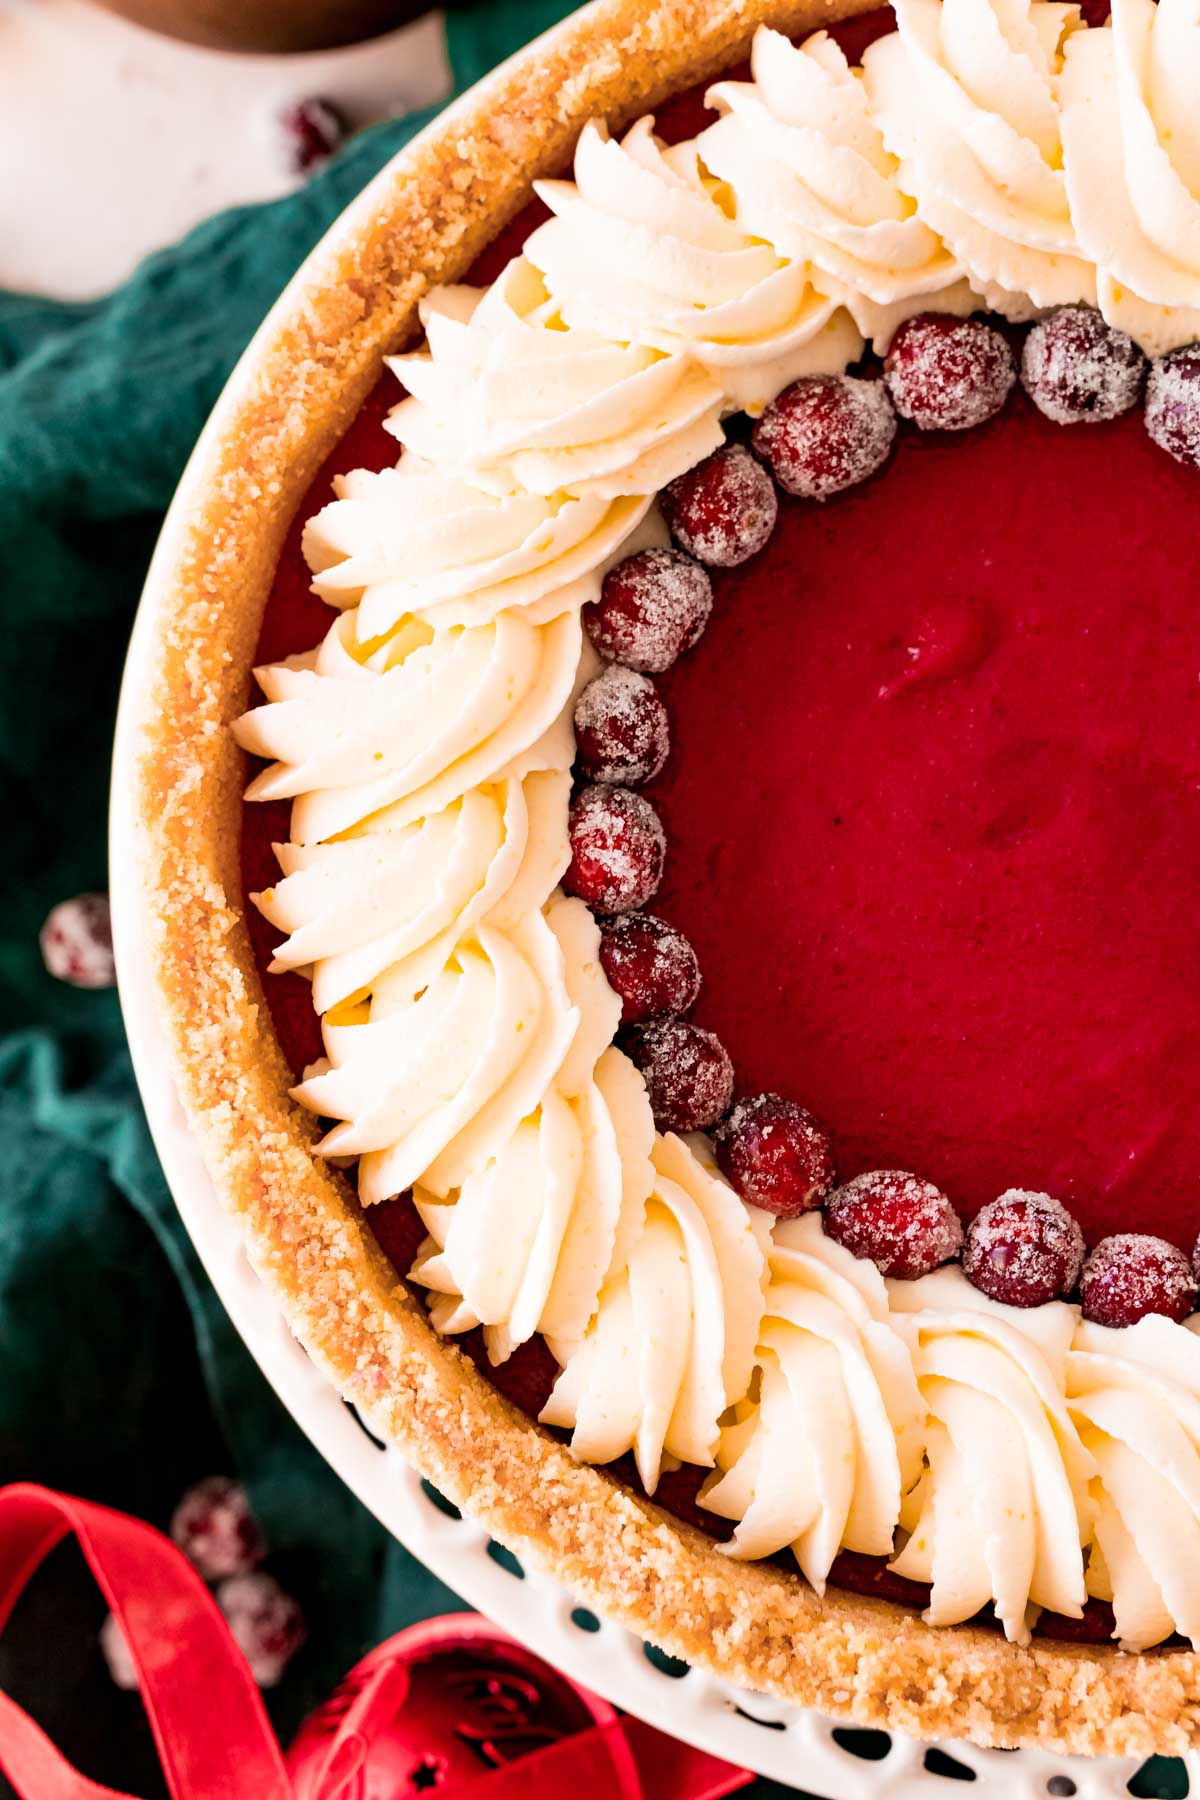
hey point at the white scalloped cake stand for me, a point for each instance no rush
(769, 1736)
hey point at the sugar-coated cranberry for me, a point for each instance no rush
(116, 1654)
(687, 1071)
(76, 942)
(312, 130)
(622, 732)
(947, 374)
(776, 1154)
(652, 607)
(650, 964)
(724, 509)
(618, 848)
(1077, 370)
(1173, 404)
(1132, 1274)
(826, 433)
(904, 1225)
(215, 1529)
(1023, 1249)
(266, 1623)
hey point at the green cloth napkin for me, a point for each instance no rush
(108, 1385)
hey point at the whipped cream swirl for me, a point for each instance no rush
(417, 542)
(672, 1344)
(1002, 1511)
(526, 1242)
(966, 93)
(1131, 138)
(640, 251)
(507, 397)
(1134, 1395)
(427, 716)
(807, 166)
(822, 1456)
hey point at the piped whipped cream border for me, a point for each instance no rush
(985, 155)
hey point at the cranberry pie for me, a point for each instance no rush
(698, 1011)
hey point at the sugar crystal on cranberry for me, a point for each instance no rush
(649, 964)
(687, 1071)
(1078, 370)
(776, 1154)
(724, 509)
(622, 733)
(1131, 1274)
(652, 607)
(1023, 1249)
(948, 374)
(215, 1529)
(618, 848)
(1173, 404)
(904, 1225)
(826, 433)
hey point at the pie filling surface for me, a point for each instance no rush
(931, 810)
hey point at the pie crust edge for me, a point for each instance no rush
(424, 220)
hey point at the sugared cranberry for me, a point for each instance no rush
(621, 728)
(776, 1154)
(1129, 1275)
(905, 1226)
(215, 1529)
(312, 130)
(266, 1623)
(652, 607)
(687, 1072)
(826, 433)
(724, 509)
(650, 964)
(947, 374)
(77, 944)
(1023, 1249)
(618, 848)
(1077, 370)
(1173, 404)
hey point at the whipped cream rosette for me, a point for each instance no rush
(1002, 1510)
(507, 397)
(641, 251)
(1131, 138)
(966, 93)
(427, 717)
(806, 164)
(525, 1244)
(822, 1455)
(416, 541)
(1134, 1395)
(671, 1346)
(379, 897)
(430, 1084)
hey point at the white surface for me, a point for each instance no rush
(115, 141)
(759, 1733)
